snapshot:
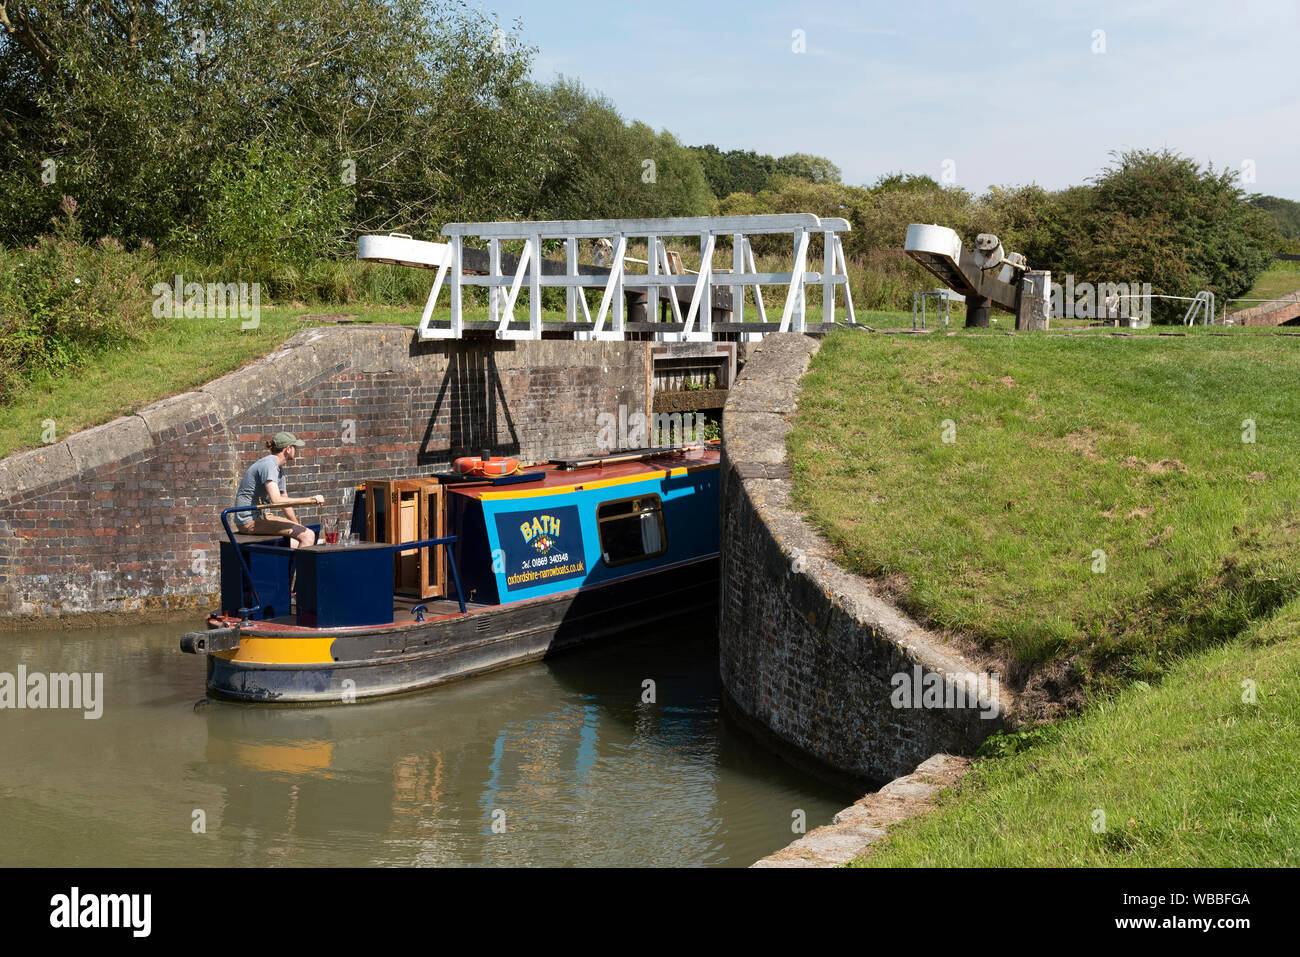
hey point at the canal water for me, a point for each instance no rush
(560, 762)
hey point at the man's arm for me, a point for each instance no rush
(277, 497)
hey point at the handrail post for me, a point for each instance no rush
(239, 553)
(652, 269)
(828, 282)
(705, 318)
(457, 320)
(571, 270)
(494, 272)
(620, 301)
(737, 268)
(535, 289)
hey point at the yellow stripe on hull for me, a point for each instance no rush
(281, 651)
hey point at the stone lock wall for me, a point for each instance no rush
(1283, 313)
(807, 651)
(124, 517)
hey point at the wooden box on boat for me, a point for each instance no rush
(417, 506)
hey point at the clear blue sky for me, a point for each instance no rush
(1009, 92)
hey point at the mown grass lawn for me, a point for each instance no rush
(1095, 505)
(183, 355)
(1199, 770)
(1277, 280)
(1083, 499)
(186, 353)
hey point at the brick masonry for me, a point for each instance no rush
(124, 517)
(1285, 311)
(808, 652)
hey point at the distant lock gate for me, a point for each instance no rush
(715, 308)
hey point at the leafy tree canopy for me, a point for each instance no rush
(744, 171)
(1285, 212)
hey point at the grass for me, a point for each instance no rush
(182, 356)
(1182, 644)
(1275, 281)
(1187, 774)
(186, 353)
(1096, 510)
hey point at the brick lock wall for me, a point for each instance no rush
(807, 651)
(1270, 313)
(124, 517)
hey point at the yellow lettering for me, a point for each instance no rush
(527, 532)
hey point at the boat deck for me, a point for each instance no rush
(556, 476)
(403, 613)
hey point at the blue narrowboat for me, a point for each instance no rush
(464, 574)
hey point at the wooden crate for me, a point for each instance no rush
(433, 524)
(408, 510)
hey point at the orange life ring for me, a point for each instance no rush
(497, 465)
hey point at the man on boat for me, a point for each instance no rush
(263, 483)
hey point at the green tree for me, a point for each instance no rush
(604, 168)
(422, 111)
(744, 171)
(1158, 217)
(1285, 212)
(735, 171)
(814, 169)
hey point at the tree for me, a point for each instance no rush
(814, 169)
(398, 112)
(735, 171)
(1158, 217)
(604, 168)
(1285, 212)
(744, 171)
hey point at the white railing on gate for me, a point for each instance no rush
(1203, 303)
(610, 321)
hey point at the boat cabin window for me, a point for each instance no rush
(631, 529)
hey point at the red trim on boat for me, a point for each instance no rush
(275, 629)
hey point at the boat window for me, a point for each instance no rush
(631, 529)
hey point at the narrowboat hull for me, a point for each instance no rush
(349, 664)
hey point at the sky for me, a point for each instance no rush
(974, 94)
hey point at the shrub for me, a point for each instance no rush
(270, 213)
(62, 300)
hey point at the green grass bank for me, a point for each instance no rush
(179, 355)
(1091, 506)
(1116, 518)
(1196, 771)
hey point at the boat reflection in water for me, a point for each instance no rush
(562, 762)
(586, 770)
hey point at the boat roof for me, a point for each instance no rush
(554, 477)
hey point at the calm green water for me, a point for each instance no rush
(584, 771)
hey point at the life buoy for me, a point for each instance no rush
(495, 466)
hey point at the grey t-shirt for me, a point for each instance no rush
(252, 489)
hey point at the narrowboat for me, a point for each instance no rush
(460, 574)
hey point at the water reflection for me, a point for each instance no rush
(554, 763)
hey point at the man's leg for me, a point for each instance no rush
(274, 525)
